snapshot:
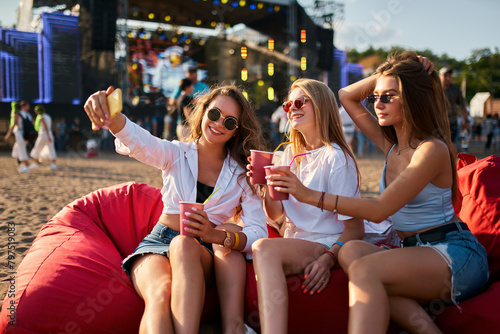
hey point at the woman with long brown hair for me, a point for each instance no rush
(440, 257)
(171, 271)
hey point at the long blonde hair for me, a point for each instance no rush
(327, 117)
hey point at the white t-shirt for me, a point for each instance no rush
(324, 169)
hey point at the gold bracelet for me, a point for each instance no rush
(236, 241)
(336, 202)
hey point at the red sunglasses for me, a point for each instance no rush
(298, 103)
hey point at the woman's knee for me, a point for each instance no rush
(184, 248)
(262, 249)
(351, 251)
(361, 268)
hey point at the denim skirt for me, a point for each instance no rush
(156, 242)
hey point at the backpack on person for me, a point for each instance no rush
(29, 132)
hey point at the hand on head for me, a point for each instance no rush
(428, 65)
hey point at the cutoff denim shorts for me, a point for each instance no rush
(467, 260)
(156, 242)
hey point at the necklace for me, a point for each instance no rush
(402, 149)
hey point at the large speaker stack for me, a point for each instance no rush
(42, 67)
(104, 14)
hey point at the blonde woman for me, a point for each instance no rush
(313, 236)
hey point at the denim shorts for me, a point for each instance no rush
(157, 242)
(467, 260)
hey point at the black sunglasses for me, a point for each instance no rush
(386, 98)
(230, 123)
(298, 103)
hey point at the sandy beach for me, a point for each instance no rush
(29, 200)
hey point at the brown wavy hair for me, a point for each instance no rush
(248, 134)
(327, 116)
(422, 102)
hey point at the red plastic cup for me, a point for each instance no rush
(187, 207)
(274, 194)
(259, 160)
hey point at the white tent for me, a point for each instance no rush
(477, 104)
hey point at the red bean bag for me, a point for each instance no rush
(71, 280)
(479, 207)
(325, 312)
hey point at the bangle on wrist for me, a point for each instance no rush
(236, 240)
(336, 202)
(340, 243)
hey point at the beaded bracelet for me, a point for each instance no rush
(330, 253)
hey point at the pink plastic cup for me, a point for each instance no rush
(259, 160)
(274, 194)
(187, 207)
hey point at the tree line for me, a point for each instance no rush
(481, 71)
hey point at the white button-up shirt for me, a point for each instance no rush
(178, 162)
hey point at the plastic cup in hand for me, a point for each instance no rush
(274, 194)
(259, 160)
(187, 207)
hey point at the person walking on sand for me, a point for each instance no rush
(440, 258)
(45, 139)
(184, 108)
(19, 150)
(171, 271)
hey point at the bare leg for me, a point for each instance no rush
(152, 279)
(230, 275)
(418, 273)
(192, 268)
(354, 250)
(410, 315)
(273, 260)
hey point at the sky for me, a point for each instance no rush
(452, 27)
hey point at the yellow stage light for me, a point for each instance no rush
(270, 93)
(270, 69)
(270, 44)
